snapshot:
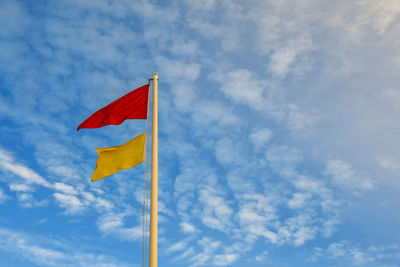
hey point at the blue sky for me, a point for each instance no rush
(278, 132)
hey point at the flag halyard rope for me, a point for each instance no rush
(147, 195)
(145, 213)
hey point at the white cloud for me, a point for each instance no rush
(216, 212)
(283, 159)
(227, 152)
(225, 259)
(21, 188)
(67, 196)
(343, 176)
(47, 252)
(242, 87)
(71, 203)
(299, 120)
(188, 228)
(256, 213)
(207, 112)
(63, 171)
(182, 47)
(262, 256)
(299, 200)
(379, 15)
(8, 163)
(305, 183)
(3, 196)
(103, 205)
(27, 200)
(336, 249)
(260, 137)
(240, 185)
(189, 252)
(113, 224)
(303, 234)
(205, 28)
(209, 247)
(180, 75)
(349, 254)
(181, 245)
(387, 163)
(205, 5)
(281, 60)
(298, 229)
(67, 189)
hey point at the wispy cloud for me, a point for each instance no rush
(260, 137)
(113, 224)
(47, 252)
(3, 196)
(8, 163)
(343, 176)
(71, 203)
(352, 254)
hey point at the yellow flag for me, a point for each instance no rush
(117, 158)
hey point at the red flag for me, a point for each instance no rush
(130, 106)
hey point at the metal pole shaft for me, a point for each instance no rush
(154, 178)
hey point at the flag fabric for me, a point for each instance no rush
(117, 158)
(130, 106)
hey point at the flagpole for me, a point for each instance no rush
(154, 178)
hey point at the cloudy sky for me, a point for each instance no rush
(278, 131)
